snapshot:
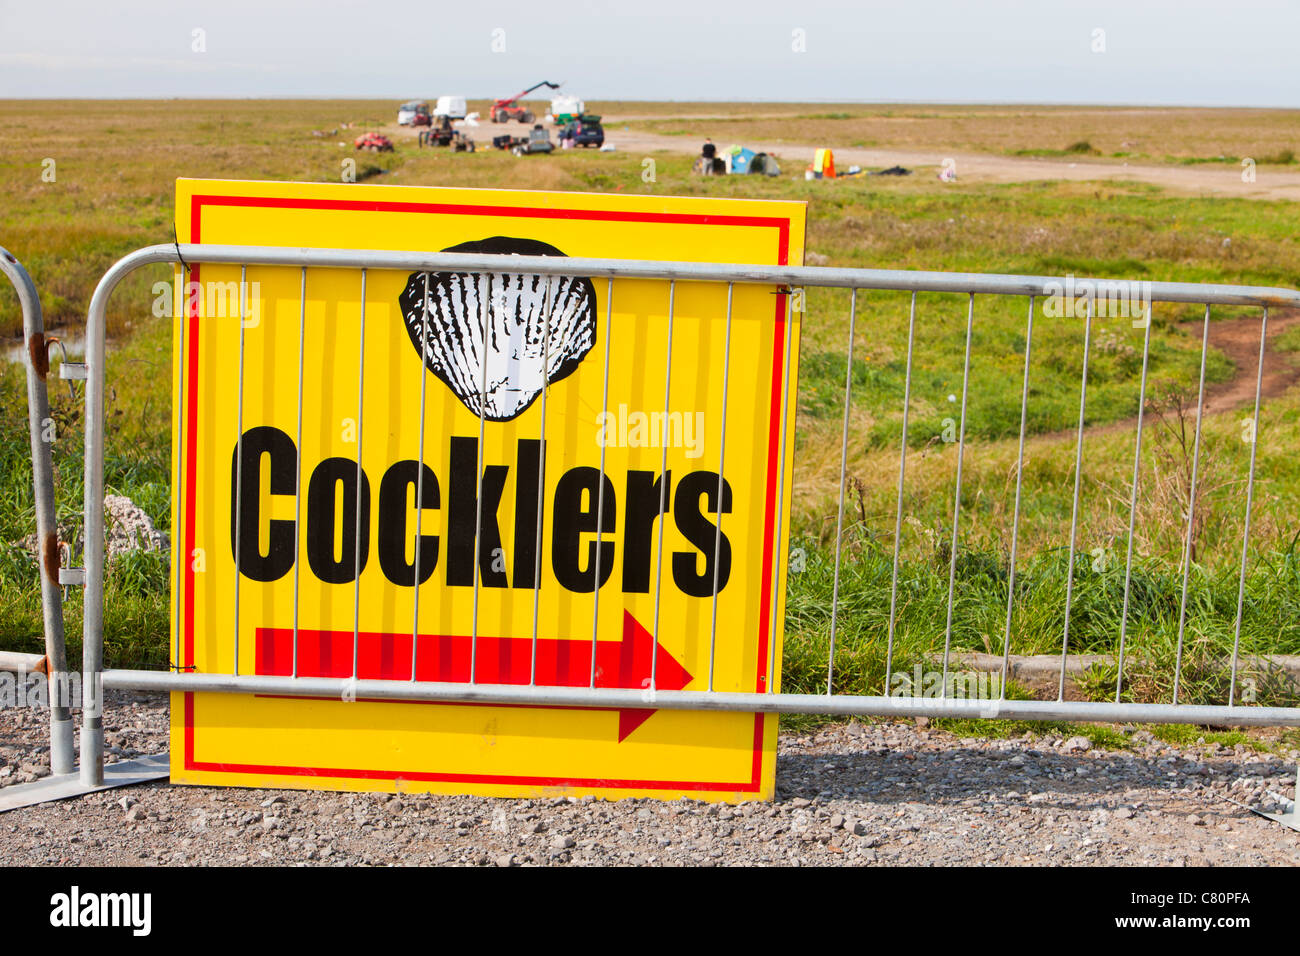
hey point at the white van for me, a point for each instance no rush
(452, 107)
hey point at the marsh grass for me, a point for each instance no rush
(114, 194)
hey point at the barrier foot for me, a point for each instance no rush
(65, 785)
(63, 751)
(1291, 818)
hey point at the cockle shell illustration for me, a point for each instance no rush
(539, 328)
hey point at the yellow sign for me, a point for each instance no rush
(597, 550)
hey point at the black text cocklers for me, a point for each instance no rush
(626, 517)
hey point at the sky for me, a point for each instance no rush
(1158, 52)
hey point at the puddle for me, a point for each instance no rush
(73, 341)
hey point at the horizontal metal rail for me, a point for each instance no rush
(901, 280)
(787, 277)
(839, 704)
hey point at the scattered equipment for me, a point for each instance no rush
(538, 141)
(822, 167)
(741, 161)
(510, 109)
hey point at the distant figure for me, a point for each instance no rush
(709, 164)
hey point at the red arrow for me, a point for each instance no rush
(497, 660)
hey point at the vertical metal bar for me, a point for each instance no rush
(1015, 518)
(956, 500)
(38, 414)
(239, 464)
(663, 486)
(898, 517)
(844, 464)
(419, 477)
(1245, 532)
(92, 640)
(178, 494)
(722, 457)
(778, 556)
(485, 311)
(1132, 505)
(361, 477)
(541, 478)
(1074, 512)
(297, 476)
(600, 494)
(1191, 505)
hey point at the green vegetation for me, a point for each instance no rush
(1080, 148)
(113, 194)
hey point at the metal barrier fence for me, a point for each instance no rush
(791, 279)
(54, 664)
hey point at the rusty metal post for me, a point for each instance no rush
(42, 436)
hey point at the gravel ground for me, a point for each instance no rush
(885, 793)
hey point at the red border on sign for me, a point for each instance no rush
(782, 226)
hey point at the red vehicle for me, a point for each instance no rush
(503, 111)
(375, 142)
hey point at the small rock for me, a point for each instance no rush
(562, 842)
(1076, 745)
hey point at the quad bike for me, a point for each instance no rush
(374, 142)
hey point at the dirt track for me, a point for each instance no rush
(1238, 339)
(1201, 180)
(987, 168)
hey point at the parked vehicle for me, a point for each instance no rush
(566, 109)
(374, 142)
(452, 107)
(414, 113)
(585, 131)
(510, 108)
(442, 133)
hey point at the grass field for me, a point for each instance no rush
(115, 167)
